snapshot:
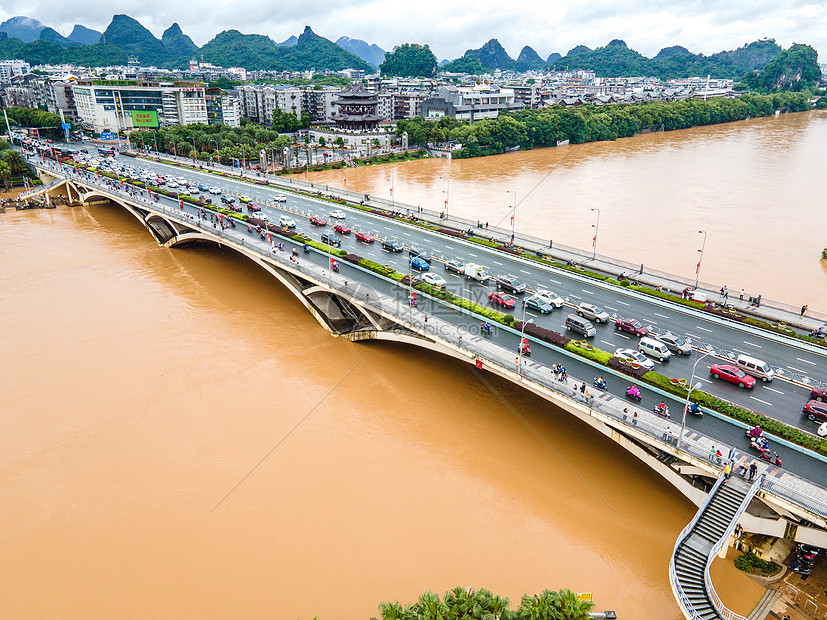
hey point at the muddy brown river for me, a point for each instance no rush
(180, 438)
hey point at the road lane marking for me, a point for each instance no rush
(589, 292)
(706, 380)
(624, 336)
(496, 262)
(797, 369)
(663, 316)
(536, 316)
(761, 401)
(524, 271)
(766, 387)
(740, 351)
(575, 296)
(621, 302)
(466, 290)
(752, 344)
(611, 344)
(693, 336)
(453, 275)
(806, 361)
(610, 308)
(703, 328)
(470, 254)
(555, 281)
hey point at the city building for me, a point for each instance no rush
(471, 103)
(223, 108)
(112, 106)
(10, 68)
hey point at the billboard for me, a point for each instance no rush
(144, 118)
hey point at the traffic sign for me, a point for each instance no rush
(107, 135)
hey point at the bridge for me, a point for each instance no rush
(360, 305)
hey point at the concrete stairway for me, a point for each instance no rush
(698, 544)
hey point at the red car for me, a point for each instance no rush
(502, 299)
(341, 228)
(819, 393)
(252, 208)
(816, 410)
(318, 221)
(632, 326)
(364, 236)
(732, 374)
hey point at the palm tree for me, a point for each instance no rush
(14, 160)
(5, 174)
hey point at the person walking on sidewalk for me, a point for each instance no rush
(741, 296)
(803, 309)
(753, 469)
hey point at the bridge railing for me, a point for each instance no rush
(618, 412)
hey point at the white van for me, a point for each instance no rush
(755, 367)
(654, 348)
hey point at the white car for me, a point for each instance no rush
(434, 280)
(287, 222)
(338, 215)
(215, 190)
(279, 198)
(172, 185)
(822, 430)
(192, 189)
(635, 356)
(551, 298)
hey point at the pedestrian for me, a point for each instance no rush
(726, 293)
(718, 456)
(753, 469)
(583, 388)
(564, 377)
(634, 419)
(517, 362)
(460, 341)
(803, 309)
(723, 288)
(758, 301)
(741, 296)
(727, 470)
(711, 453)
(426, 318)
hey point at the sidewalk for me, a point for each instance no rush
(772, 311)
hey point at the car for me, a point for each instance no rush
(330, 240)
(502, 299)
(419, 253)
(551, 298)
(392, 245)
(635, 356)
(172, 185)
(815, 410)
(287, 222)
(730, 373)
(318, 221)
(593, 313)
(279, 198)
(214, 190)
(632, 326)
(364, 236)
(818, 393)
(203, 187)
(455, 266)
(509, 283)
(419, 263)
(253, 208)
(236, 208)
(535, 302)
(192, 189)
(822, 430)
(244, 199)
(338, 215)
(227, 200)
(434, 280)
(342, 229)
(675, 343)
(260, 216)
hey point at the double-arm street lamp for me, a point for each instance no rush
(513, 211)
(695, 386)
(596, 230)
(698, 268)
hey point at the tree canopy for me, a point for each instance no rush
(409, 60)
(794, 69)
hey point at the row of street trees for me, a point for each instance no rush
(590, 123)
(11, 164)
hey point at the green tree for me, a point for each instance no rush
(409, 60)
(5, 174)
(14, 160)
(322, 141)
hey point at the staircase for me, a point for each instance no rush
(41, 189)
(698, 545)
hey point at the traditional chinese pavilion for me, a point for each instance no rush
(357, 109)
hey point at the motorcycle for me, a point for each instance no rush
(335, 267)
(306, 249)
(695, 408)
(600, 384)
(774, 459)
(761, 444)
(485, 328)
(634, 393)
(661, 412)
(525, 349)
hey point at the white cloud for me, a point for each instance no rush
(452, 27)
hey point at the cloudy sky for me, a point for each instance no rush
(450, 27)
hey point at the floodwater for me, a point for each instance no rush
(180, 439)
(755, 187)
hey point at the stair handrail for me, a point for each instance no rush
(677, 587)
(720, 608)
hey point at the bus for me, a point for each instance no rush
(106, 151)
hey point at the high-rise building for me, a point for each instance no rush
(10, 68)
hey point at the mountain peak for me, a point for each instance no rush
(24, 28)
(172, 31)
(617, 43)
(177, 41)
(84, 36)
(492, 56)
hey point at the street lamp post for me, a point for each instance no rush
(596, 230)
(698, 268)
(513, 212)
(520, 345)
(447, 192)
(692, 386)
